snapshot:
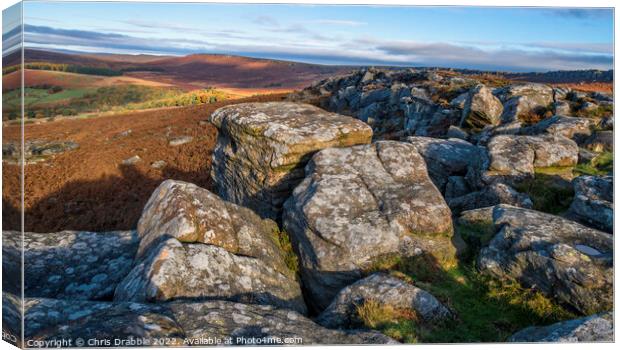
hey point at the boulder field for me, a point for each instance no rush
(310, 202)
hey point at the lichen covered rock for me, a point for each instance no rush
(559, 257)
(181, 323)
(357, 204)
(594, 328)
(196, 245)
(593, 203)
(518, 155)
(262, 149)
(76, 265)
(387, 291)
(481, 108)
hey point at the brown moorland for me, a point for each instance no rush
(89, 188)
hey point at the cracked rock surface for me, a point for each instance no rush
(358, 204)
(68, 264)
(563, 259)
(176, 323)
(262, 149)
(196, 245)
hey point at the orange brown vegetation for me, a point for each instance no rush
(590, 87)
(88, 188)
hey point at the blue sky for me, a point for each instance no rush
(517, 39)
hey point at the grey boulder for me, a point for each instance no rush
(445, 158)
(570, 127)
(77, 265)
(561, 258)
(523, 99)
(593, 204)
(180, 323)
(262, 148)
(196, 245)
(594, 328)
(358, 204)
(518, 155)
(387, 291)
(481, 108)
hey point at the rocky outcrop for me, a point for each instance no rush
(593, 204)
(195, 245)
(517, 155)
(75, 265)
(445, 158)
(358, 204)
(520, 100)
(386, 291)
(481, 108)
(262, 149)
(559, 257)
(595, 328)
(35, 151)
(600, 141)
(393, 102)
(182, 323)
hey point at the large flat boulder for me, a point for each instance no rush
(174, 270)
(196, 245)
(76, 265)
(359, 204)
(182, 323)
(593, 204)
(561, 258)
(387, 291)
(594, 328)
(262, 149)
(570, 127)
(519, 155)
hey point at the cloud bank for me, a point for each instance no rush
(298, 42)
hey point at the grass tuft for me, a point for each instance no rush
(603, 164)
(283, 241)
(550, 191)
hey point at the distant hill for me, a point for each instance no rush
(196, 71)
(227, 71)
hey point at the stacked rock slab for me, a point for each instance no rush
(387, 291)
(195, 245)
(561, 258)
(69, 264)
(359, 204)
(180, 323)
(262, 149)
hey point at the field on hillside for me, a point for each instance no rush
(89, 188)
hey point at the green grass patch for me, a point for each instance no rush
(603, 164)
(283, 241)
(487, 310)
(549, 190)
